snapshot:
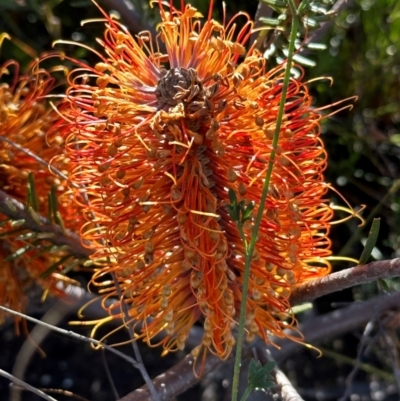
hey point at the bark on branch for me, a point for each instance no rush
(15, 210)
(180, 377)
(343, 279)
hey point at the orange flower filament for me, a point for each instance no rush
(25, 119)
(157, 140)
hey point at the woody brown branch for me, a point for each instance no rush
(15, 210)
(343, 279)
(284, 388)
(181, 376)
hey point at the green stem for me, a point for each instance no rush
(246, 394)
(366, 367)
(250, 248)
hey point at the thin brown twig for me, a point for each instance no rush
(333, 324)
(343, 279)
(72, 334)
(26, 386)
(53, 316)
(284, 387)
(181, 376)
(390, 341)
(15, 210)
(361, 348)
(175, 380)
(65, 393)
(35, 156)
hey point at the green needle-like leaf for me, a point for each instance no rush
(232, 197)
(17, 253)
(383, 286)
(54, 266)
(247, 212)
(32, 196)
(371, 241)
(4, 222)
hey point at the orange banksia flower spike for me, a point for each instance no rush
(25, 119)
(157, 140)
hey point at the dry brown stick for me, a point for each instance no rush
(26, 386)
(181, 376)
(175, 380)
(284, 387)
(335, 323)
(15, 210)
(345, 279)
(53, 316)
(72, 334)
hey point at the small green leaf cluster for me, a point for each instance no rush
(241, 211)
(259, 378)
(311, 16)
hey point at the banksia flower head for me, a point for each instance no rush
(25, 119)
(157, 140)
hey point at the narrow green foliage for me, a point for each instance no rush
(18, 253)
(310, 15)
(32, 196)
(34, 215)
(47, 249)
(304, 61)
(71, 266)
(277, 5)
(239, 212)
(17, 223)
(371, 241)
(11, 232)
(53, 203)
(272, 22)
(302, 308)
(55, 266)
(10, 205)
(4, 222)
(27, 236)
(54, 214)
(259, 378)
(60, 221)
(383, 286)
(316, 46)
(366, 367)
